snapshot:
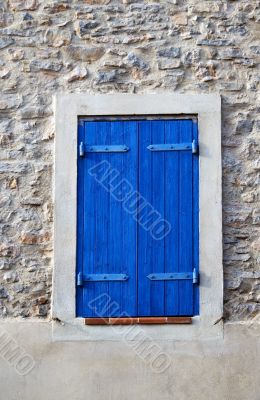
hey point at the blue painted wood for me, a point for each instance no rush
(145, 255)
(129, 224)
(122, 227)
(150, 250)
(195, 228)
(116, 256)
(95, 222)
(171, 193)
(109, 232)
(80, 218)
(185, 222)
(157, 201)
(116, 238)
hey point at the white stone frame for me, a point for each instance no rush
(68, 108)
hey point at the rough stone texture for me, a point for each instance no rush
(122, 46)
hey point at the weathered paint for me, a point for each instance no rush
(136, 214)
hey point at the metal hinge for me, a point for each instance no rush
(107, 148)
(195, 276)
(80, 279)
(193, 146)
(101, 149)
(175, 276)
(100, 278)
(81, 149)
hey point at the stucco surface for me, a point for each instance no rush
(226, 369)
(111, 46)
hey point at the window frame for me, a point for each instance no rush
(68, 109)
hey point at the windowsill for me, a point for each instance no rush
(76, 330)
(138, 321)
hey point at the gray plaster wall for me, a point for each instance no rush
(223, 369)
(87, 46)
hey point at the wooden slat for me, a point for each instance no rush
(138, 321)
(96, 203)
(115, 218)
(157, 200)
(185, 222)
(171, 193)
(195, 229)
(129, 224)
(150, 250)
(144, 248)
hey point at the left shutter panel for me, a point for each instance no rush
(107, 258)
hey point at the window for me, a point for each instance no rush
(137, 217)
(173, 182)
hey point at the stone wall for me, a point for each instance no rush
(122, 46)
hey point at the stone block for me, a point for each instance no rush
(22, 5)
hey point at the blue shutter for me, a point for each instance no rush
(106, 233)
(167, 181)
(147, 267)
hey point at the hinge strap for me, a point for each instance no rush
(107, 149)
(175, 276)
(83, 149)
(100, 278)
(193, 146)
